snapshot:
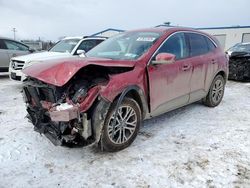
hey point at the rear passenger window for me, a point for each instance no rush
(176, 45)
(198, 44)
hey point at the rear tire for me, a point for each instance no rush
(119, 134)
(216, 92)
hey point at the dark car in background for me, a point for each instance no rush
(133, 76)
(239, 62)
(10, 48)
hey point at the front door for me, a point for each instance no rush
(169, 84)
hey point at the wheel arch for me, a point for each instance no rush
(137, 94)
(222, 73)
(102, 106)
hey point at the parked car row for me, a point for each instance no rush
(103, 97)
(68, 47)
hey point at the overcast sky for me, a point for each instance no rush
(50, 19)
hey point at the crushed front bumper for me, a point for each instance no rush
(61, 127)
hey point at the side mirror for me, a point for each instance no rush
(31, 50)
(80, 53)
(164, 58)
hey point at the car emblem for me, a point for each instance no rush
(14, 65)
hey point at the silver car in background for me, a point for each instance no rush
(10, 48)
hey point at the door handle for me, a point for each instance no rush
(186, 67)
(213, 61)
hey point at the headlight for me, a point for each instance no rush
(28, 64)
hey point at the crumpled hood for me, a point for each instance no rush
(41, 56)
(59, 72)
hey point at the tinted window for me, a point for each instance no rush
(87, 45)
(198, 44)
(2, 45)
(176, 45)
(12, 45)
(210, 44)
(65, 46)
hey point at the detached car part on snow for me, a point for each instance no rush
(128, 78)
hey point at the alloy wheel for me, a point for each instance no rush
(217, 91)
(121, 129)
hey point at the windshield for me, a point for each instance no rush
(240, 48)
(125, 46)
(65, 46)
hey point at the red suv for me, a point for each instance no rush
(136, 75)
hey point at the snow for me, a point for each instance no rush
(194, 146)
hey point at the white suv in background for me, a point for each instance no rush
(66, 47)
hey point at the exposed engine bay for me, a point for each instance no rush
(64, 113)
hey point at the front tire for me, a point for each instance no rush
(216, 92)
(120, 133)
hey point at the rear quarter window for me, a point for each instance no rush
(211, 45)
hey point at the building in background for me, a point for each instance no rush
(108, 32)
(229, 36)
(38, 45)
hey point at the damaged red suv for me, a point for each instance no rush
(103, 97)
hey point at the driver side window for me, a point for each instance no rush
(176, 45)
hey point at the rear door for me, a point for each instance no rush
(15, 48)
(202, 61)
(169, 84)
(4, 57)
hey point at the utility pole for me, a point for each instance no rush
(14, 32)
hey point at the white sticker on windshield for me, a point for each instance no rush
(146, 39)
(130, 55)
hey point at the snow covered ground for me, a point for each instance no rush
(194, 146)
